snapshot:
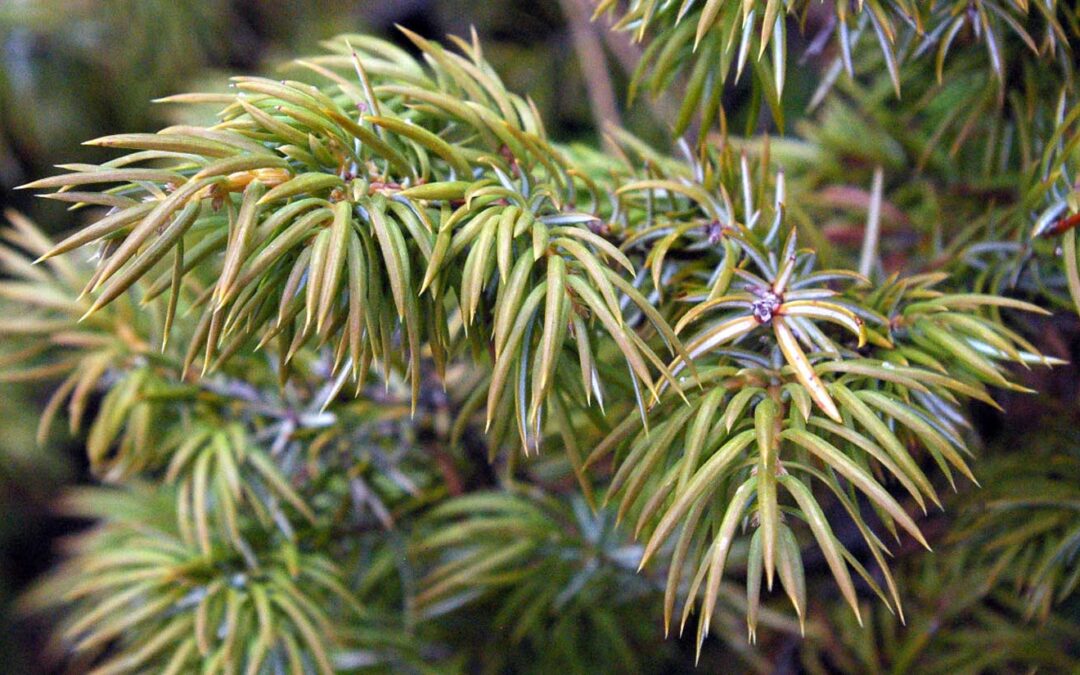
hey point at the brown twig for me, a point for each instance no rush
(593, 62)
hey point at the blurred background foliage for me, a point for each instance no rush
(77, 69)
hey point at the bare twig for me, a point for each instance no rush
(873, 226)
(628, 53)
(593, 61)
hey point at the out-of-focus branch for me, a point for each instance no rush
(593, 61)
(628, 53)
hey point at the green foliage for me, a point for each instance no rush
(1024, 527)
(710, 38)
(755, 429)
(964, 621)
(563, 575)
(308, 325)
(147, 564)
